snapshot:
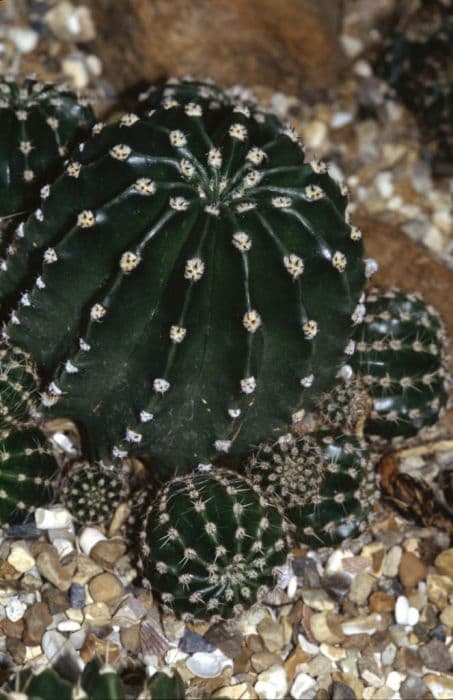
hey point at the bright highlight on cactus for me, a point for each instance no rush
(214, 284)
(39, 123)
(400, 359)
(325, 484)
(212, 543)
(27, 470)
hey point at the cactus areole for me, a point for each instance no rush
(188, 285)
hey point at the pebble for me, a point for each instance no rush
(435, 655)
(263, 660)
(77, 596)
(272, 635)
(106, 588)
(413, 688)
(56, 646)
(303, 687)
(70, 23)
(321, 629)
(392, 561)
(364, 624)
(381, 602)
(314, 134)
(97, 614)
(272, 684)
(49, 566)
(208, 665)
(352, 45)
(439, 589)
(317, 599)
(361, 587)
(404, 613)
(57, 601)
(444, 563)
(68, 626)
(89, 537)
(15, 609)
(54, 517)
(25, 39)
(107, 552)
(341, 691)
(411, 570)
(37, 618)
(446, 616)
(20, 558)
(341, 119)
(440, 686)
(76, 71)
(234, 692)
(192, 643)
(63, 546)
(86, 569)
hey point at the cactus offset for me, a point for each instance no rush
(325, 484)
(27, 469)
(211, 544)
(400, 359)
(39, 123)
(19, 385)
(214, 283)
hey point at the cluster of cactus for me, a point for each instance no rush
(417, 62)
(400, 358)
(324, 483)
(39, 124)
(212, 544)
(97, 682)
(154, 351)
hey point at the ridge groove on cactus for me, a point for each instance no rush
(19, 385)
(214, 284)
(324, 483)
(212, 543)
(27, 471)
(39, 123)
(400, 357)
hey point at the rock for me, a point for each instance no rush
(411, 570)
(271, 633)
(97, 614)
(17, 649)
(392, 561)
(321, 629)
(56, 600)
(95, 647)
(440, 686)
(303, 687)
(248, 621)
(314, 134)
(130, 638)
(106, 588)
(381, 602)
(440, 588)
(25, 39)
(226, 637)
(49, 566)
(363, 624)
(299, 656)
(68, 626)
(12, 629)
(333, 653)
(317, 599)
(15, 609)
(55, 646)
(413, 688)
(234, 692)
(20, 558)
(341, 691)
(89, 537)
(264, 660)
(36, 619)
(53, 517)
(435, 655)
(193, 642)
(361, 587)
(86, 569)
(208, 665)
(69, 23)
(77, 596)
(272, 683)
(446, 616)
(404, 613)
(107, 552)
(130, 611)
(444, 563)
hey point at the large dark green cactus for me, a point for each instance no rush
(19, 384)
(211, 544)
(400, 359)
(417, 62)
(39, 123)
(325, 484)
(27, 470)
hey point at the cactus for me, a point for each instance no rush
(27, 469)
(211, 544)
(345, 408)
(19, 385)
(325, 484)
(92, 493)
(400, 359)
(164, 685)
(39, 123)
(417, 62)
(184, 91)
(214, 283)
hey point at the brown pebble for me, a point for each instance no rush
(106, 588)
(435, 655)
(17, 649)
(444, 562)
(107, 552)
(93, 646)
(130, 638)
(8, 572)
(56, 600)
(12, 629)
(255, 643)
(299, 656)
(49, 566)
(37, 619)
(411, 570)
(379, 601)
(242, 661)
(264, 660)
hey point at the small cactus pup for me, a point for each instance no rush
(400, 357)
(212, 543)
(93, 492)
(325, 484)
(199, 282)
(19, 384)
(27, 471)
(39, 124)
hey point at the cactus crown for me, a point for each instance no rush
(211, 544)
(155, 335)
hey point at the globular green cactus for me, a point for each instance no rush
(400, 359)
(19, 384)
(92, 493)
(27, 471)
(417, 62)
(193, 284)
(183, 91)
(325, 484)
(211, 544)
(39, 123)
(345, 408)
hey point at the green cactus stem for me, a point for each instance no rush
(197, 279)
(27, 471)
(212, 543)
(19, 384)
(164, 685)
(39, 123)
(400, 357)
(325, 484)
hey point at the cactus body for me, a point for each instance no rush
(400, 358)
(92, 493)
(19, 384)
(211, 544)
(324, 484)
(205, 93)
(213, 281)
(27, 468)
(39, 123)
(164, 686)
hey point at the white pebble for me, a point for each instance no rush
(302, 684)
(402, 610)
(15, 609)
(63, 546)
(55, 645)
(394, 680)
(64, 443)
(51, 518)
(68, 626)
(272, 683)
(24, 39)
(208, 665)
(88, 538)
(351, 45)
(20, 558)
(340, 119)
(384, 184)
